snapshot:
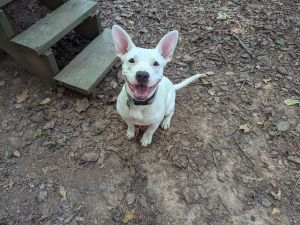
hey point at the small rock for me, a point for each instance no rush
(182, 64)
(143, 201)
(221, 16)
(191, 195)
(113, 84)
(294, 159)
(90, 157)
(282, 125)
(298, 127)
(266, 202)
(79, 218)
(210, 73)
(15, 142)
(130, 198)
(42, 195)
(282, 70)
(17, 154)
(202, 192)
(73, 222)
(2, 83)
(224, 88)
(185, 143)
(258, 85)
(37, 118)
(49, 125)
(264, 42)
(82, 105)
(187, 58)
(3, 214)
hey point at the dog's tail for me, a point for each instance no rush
(188, 80)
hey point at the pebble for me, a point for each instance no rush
(143, 201)
(210, 73)
(2, 83)
(282, 70)
(182, 64)
(130, 198)
(42, 195)
(90, 157)
(82, 105)
(266, 202)
(49, 125)
(17, 154)
(113, 84)
(282, 125)
(191, 195)
(185, 143)
(298, 127)
(15, 142)
(187, 58)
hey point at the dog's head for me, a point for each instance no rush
(143, 68)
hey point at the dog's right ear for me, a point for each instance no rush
(123, 42)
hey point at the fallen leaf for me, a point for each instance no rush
(45, 101)
(275, 213)
(37, 133)
(277, 195)
(266, 80)
(274, 183)
(211, 92)
(228, 218)
(245, 128)
(22, 96)
(279, 41)
(63, 194)
(291, 101)
(129, 215)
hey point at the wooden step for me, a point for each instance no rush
(86, 70)
(49, 30)
(4, 2)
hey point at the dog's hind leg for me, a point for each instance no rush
(147, 137)
(130, 131)
(167, 121)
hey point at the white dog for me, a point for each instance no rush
(147, 97)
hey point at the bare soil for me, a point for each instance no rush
(231, 155)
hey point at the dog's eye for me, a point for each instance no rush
(131, 60)
(155, 63)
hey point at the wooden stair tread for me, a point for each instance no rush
(86, 70)
(49, 30)
(4, 2)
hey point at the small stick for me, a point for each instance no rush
(243, 45)
(215, 161)
(223, 204)
(241, 150)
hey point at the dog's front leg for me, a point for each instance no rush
(130, 130)
(147, 137)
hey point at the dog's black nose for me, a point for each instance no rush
(142, 77)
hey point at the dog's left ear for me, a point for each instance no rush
(167, 45)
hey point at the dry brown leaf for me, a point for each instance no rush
(22, 96)
(266, 80)
(277, 195)
(275, 213)
(63, 194)
(228, 218)
(45, 101)
(274, 183)
(245, 127)
(129, 215)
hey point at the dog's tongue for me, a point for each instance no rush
(141, 92)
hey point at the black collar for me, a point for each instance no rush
(147, 101)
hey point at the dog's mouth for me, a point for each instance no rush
(141, 91)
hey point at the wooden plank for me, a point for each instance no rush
(86, 70)
(47, 31)
(4, 2)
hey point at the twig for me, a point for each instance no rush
(241, 150)
(270, 199)
(221, 200)
(295, 186)
(215, 161)
(243, 45)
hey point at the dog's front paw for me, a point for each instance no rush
(146, 140)
(130, 133)
(166, 123)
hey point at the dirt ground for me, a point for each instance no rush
(231, 155)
